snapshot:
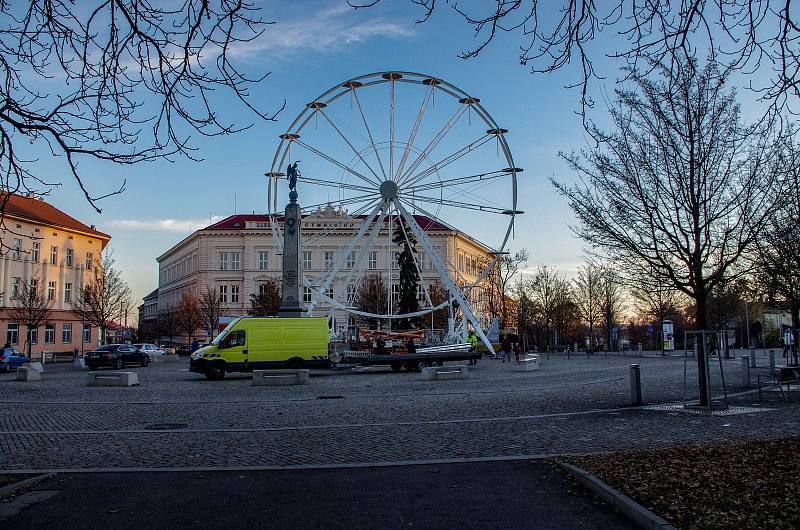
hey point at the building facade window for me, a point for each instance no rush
(50, 333)
(223, 261)
(16, 252)
(329, 291)
(351, 293)
(68, 292)
(33, 335)
(51, 291)
(14, 286)
(307, 259)
(262, 288)
(328, 260)
(223, 294)
(53, 255)
(35, 251)
(89, 261)
(66, 332)
(263, 260)
(235, 261)
(234, 294)
(69, 257)
(351, 259)
(12, 335)
(373, 260)
(87, 333)
(307, 295)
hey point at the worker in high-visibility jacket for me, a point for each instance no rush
(473, 345)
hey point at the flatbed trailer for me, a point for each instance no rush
(410, 361)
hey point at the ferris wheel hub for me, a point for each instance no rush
(389, 190)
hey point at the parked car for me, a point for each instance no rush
(150, 349)
(183, 349)
(11, 359)
(168, 350)
(116, 356)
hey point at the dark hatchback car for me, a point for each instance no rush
(116, 356)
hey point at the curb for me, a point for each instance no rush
(622, 503)
(13, 489)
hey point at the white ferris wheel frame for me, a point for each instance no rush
(387, 192)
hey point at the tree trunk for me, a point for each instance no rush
(700, 324)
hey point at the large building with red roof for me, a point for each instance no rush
(237, 255)
(44, 245)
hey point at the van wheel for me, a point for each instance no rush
(119, 364)
(216, 372)
(421, 365)
(436, 363)
(396, 366)
(294, 364)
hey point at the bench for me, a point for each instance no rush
(528, 363)
(112, 379)
(784, 375)
(280, 377)
(432, 373)
(28, 373)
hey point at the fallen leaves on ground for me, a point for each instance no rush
(754, 484)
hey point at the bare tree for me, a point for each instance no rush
(210, 310)
(545, 289)
(267, 301)
(31, 308)
(681, 188)
(749, 35)
(371, 297)
(778, 258)
(588, 292)
(105, 299)
(438, 296)
(498, 284)
(125, 82)
(189, 315)
(611, 302)
(169, 323)
(654, 300)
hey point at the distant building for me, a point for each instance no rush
(148, 317)
(236, 255)
(44, 244)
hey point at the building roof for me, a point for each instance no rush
(29, 208)
(153, 294)
(239, 222)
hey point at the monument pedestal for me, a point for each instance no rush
(292, 281)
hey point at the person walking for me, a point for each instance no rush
(505, 349)
(517, 351)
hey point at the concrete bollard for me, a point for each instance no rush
(772, 362)
(28, 373)
(636, 385)
(746, 371)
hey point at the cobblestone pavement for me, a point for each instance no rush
(177, 419)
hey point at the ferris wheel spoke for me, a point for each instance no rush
(437, 263)
(342, 202)
(457, 181)
(336, 162)
(446, 161)
(352, 147)
(413, 134)
(435, 141)
(369, 132)
(378, 210)
(391, 125)
(465, 205)
(338, 185)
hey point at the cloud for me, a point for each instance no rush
(162, 225)
(325, 30)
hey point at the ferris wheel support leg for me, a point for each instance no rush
(436, 260)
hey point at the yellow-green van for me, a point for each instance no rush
(250, 343)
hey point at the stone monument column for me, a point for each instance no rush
(292, 281)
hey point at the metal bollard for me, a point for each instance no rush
(636, 385)
(752, 357)
(772, 362)
(746, 371)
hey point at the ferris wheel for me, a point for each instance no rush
(400, 149)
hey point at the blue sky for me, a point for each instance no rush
(316, 44)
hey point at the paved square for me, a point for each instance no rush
(177, 419)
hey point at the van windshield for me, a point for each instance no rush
(225, 331)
